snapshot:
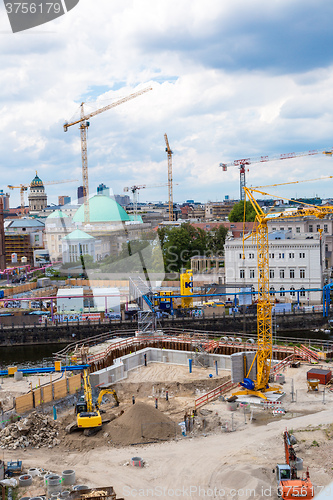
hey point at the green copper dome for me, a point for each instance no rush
(78, 235)
(57, 214)
(36, 181)
(102, 209)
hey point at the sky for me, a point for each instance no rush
(231, 79)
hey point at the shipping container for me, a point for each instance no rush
(324, 376)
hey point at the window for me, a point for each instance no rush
(290, 228)
(326, 248)
(302, 273)
(291, 255)
(298, 229)
(310, 228)
(240, 255)
(241, 273)
(251, 273)
(271, 273)
(36, 237)
(281, 228)
(282, 292)
(318, 227)
(292, 273)
(302, 255)
(271, 290)
(302, 292)
(281, 273)
(281, 255)
(271, 256)
(251, 255)
(292, 291)
(273, 228)
(325, 228)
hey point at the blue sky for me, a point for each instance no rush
(230, 79)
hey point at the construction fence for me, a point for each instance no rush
(48, 393)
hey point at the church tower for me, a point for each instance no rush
(37, 196)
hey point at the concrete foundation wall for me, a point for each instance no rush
(119, 370)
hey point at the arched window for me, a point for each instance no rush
(282, 291)
(292, 291)
(302, 292)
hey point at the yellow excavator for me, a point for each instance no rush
(88, 415)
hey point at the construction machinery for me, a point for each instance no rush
(134, 190)
(88, 414)
(170, 187)
(241, 164)
(24, 187)
(290, 486)
(263, 355)
(84, 124)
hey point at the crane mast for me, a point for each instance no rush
(83, 131)
(84, 124)
(169, 152)
(134, 190)
(264, 319)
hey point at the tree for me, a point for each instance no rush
(237, 212)
(216, 240)
(179, 244)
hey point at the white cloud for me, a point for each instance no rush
(224, 88)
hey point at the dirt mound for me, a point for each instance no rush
(141, 423)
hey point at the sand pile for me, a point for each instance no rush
(245, 482)
(141, 423)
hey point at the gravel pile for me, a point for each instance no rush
(35, 431)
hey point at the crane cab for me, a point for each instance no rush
(85, 418)
(89, 419)
(283, 472)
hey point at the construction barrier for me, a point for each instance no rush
(215, 393)
(48, 393)
(271, 404)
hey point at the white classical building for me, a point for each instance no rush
(295, 263)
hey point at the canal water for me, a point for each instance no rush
(29, 355)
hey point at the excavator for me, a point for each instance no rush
(290, 486)
(88, 414)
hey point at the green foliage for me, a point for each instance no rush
(180, 244)
(237, 212)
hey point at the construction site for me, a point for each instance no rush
(160, 416)
(174, 412)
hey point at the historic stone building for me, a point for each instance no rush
(37, 196)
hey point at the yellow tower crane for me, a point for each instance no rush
(263, 355)
(84, 124)
(168, 150)
(24, 187)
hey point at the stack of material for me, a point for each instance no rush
(104, 493)
(237, 366)
(36, 431)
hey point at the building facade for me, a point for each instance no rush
(294, 264)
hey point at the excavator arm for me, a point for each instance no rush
(106, 391)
